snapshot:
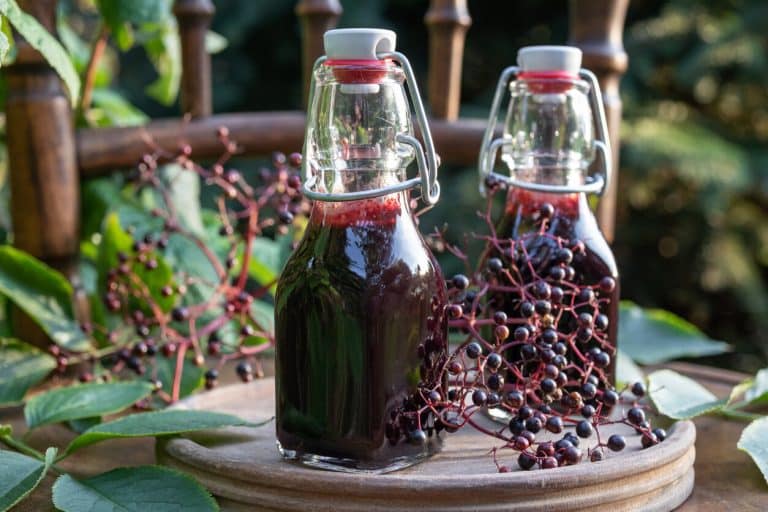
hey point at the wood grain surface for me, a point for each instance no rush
(243, 466)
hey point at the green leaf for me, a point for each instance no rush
(139, 489)
(119, 12)
(160, 423)
(627, 372)
(184, 189)
(20, 474)
(21, 367)
(758, 392)
(113, 109)
(44, 294)
(5, 46)
(215, 42)
(83, 401)
(754, 441)
(164, 51)
(41, 40)
(651, 336)
(81, 425)
(191, 375)
(679, 397)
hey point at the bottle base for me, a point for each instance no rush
(351, 465)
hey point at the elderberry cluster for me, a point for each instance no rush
(538, 354)
(165, 312)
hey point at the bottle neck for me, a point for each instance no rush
(524, 202)
(378, 212)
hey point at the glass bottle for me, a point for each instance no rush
(570, 306)
(359, 313)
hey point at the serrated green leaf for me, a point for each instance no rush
(680, 397)
(44, 294)
(652, 336)
(757, 393)
(754, 441)
(42, 41)
(20, 474)
(184, 190)
(139, 489)
(21, 367)
(83, 401)
(159, 423)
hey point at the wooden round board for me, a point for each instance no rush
(242, 466)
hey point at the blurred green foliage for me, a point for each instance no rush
(693, 203)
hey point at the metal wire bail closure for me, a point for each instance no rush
(426, 157)
(489, 148)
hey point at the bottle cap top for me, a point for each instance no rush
(549, 58)
(358, 43)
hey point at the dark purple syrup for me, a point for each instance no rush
(356, 305)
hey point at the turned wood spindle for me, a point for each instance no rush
(597, 26)
(316, 17)
(45, 192)
(448, 22)
(194, 17)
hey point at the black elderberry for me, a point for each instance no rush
(596, 456)
(649, 440)
(636, 415)
(554, 424)
(638, 389)
(527, 309)
(584, 429)
(572, 455)
(571, 437)
(551, 371)
(493, 399)
(557, 273)
(564, 255)
(479, 397)
(212, 374)
(562, 444)
(528, 351)
(473, 350)
(660, 434)
(610, 398)
(616, 443)
(516, 426)
(455, 311)
(460, 281)
(545, 449)
(547, 210)
(495, 265)
(557, 295)
(588, 390)
(515, 399)
(521, 334)
(549, 335)
(453, 394)
(526, 461)
(524, 412)
(601, 322)
(586, 295)
(560, 348)
(179, 314)
(244, 371)
(495, 382)
(588, 411)
(533, 425)
(607, 284)
(542, 291)
(548, 463)
(584, 334)
(501, 332)
(493, 361)
(548, 385)
(417, 437)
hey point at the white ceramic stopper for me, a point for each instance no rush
(358, 43)
(549, 58)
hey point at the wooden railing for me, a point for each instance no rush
(48, 157)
